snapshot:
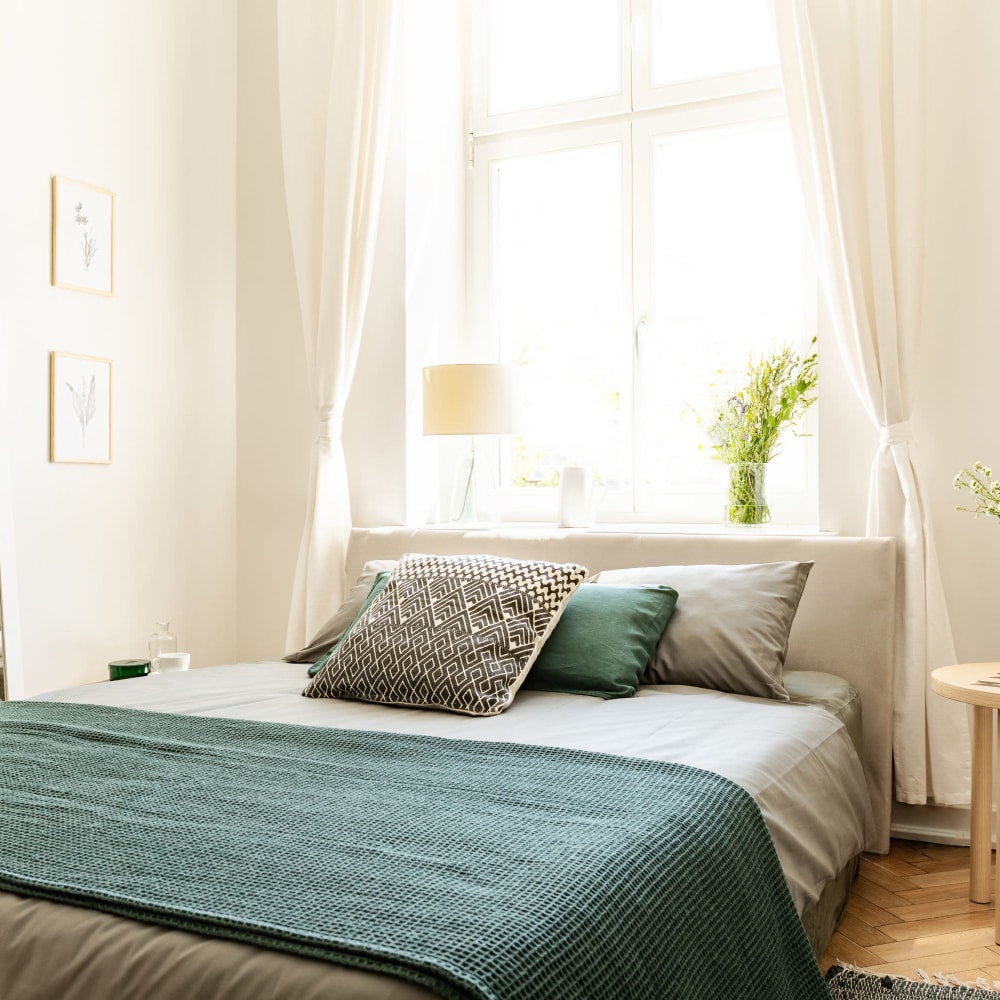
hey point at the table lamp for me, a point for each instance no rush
(470, 400)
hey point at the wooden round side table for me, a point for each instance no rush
(965, 682)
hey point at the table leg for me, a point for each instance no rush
(996, 912)
(981, 829)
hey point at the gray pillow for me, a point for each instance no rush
(730, 629)
(335, 627)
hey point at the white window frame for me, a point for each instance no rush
(634, 118)
(483, 123)
(645, 95)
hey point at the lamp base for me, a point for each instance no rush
(463, 490)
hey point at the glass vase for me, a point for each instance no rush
(161, 641)
(746, 499)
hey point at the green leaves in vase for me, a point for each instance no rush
(747, 426)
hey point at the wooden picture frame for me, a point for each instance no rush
(80, 409)
(83, 237)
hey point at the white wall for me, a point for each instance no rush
(139, 98)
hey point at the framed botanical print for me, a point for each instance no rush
(83, 237)
(80, 409)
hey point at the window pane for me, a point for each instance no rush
(727, 281)
(708, 37)
(551, 51)
(559, 301)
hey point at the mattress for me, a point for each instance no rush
(841, 699)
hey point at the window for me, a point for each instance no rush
(635, 236)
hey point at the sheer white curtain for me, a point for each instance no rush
(335, 61)
(853, 75)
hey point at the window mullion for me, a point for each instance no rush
(637, 15)
(642, 293)
(638, 53)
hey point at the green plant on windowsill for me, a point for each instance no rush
(747, 426)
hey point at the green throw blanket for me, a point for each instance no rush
(478, 870)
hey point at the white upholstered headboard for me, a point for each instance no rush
(844, 624)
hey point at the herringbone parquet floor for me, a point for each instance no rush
(910, 910)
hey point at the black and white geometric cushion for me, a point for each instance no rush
(451, 632)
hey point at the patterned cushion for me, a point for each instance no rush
(452, 632)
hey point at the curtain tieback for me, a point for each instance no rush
(898, 433)
(331, 426)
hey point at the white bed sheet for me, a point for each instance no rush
(796, 760)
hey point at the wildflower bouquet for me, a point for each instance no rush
(984, 488)
(747, 426)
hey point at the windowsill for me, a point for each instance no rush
(651, 528)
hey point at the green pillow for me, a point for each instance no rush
(603, 641)
(381, 579)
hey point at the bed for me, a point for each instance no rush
(817, 767)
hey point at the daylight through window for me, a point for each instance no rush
(636, 237)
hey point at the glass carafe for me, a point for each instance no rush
(161, 641)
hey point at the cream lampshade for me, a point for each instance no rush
(468, 399)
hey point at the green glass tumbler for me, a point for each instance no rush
(119, 670)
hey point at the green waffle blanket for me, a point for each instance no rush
(478, 870)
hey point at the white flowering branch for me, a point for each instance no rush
(984, 488)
